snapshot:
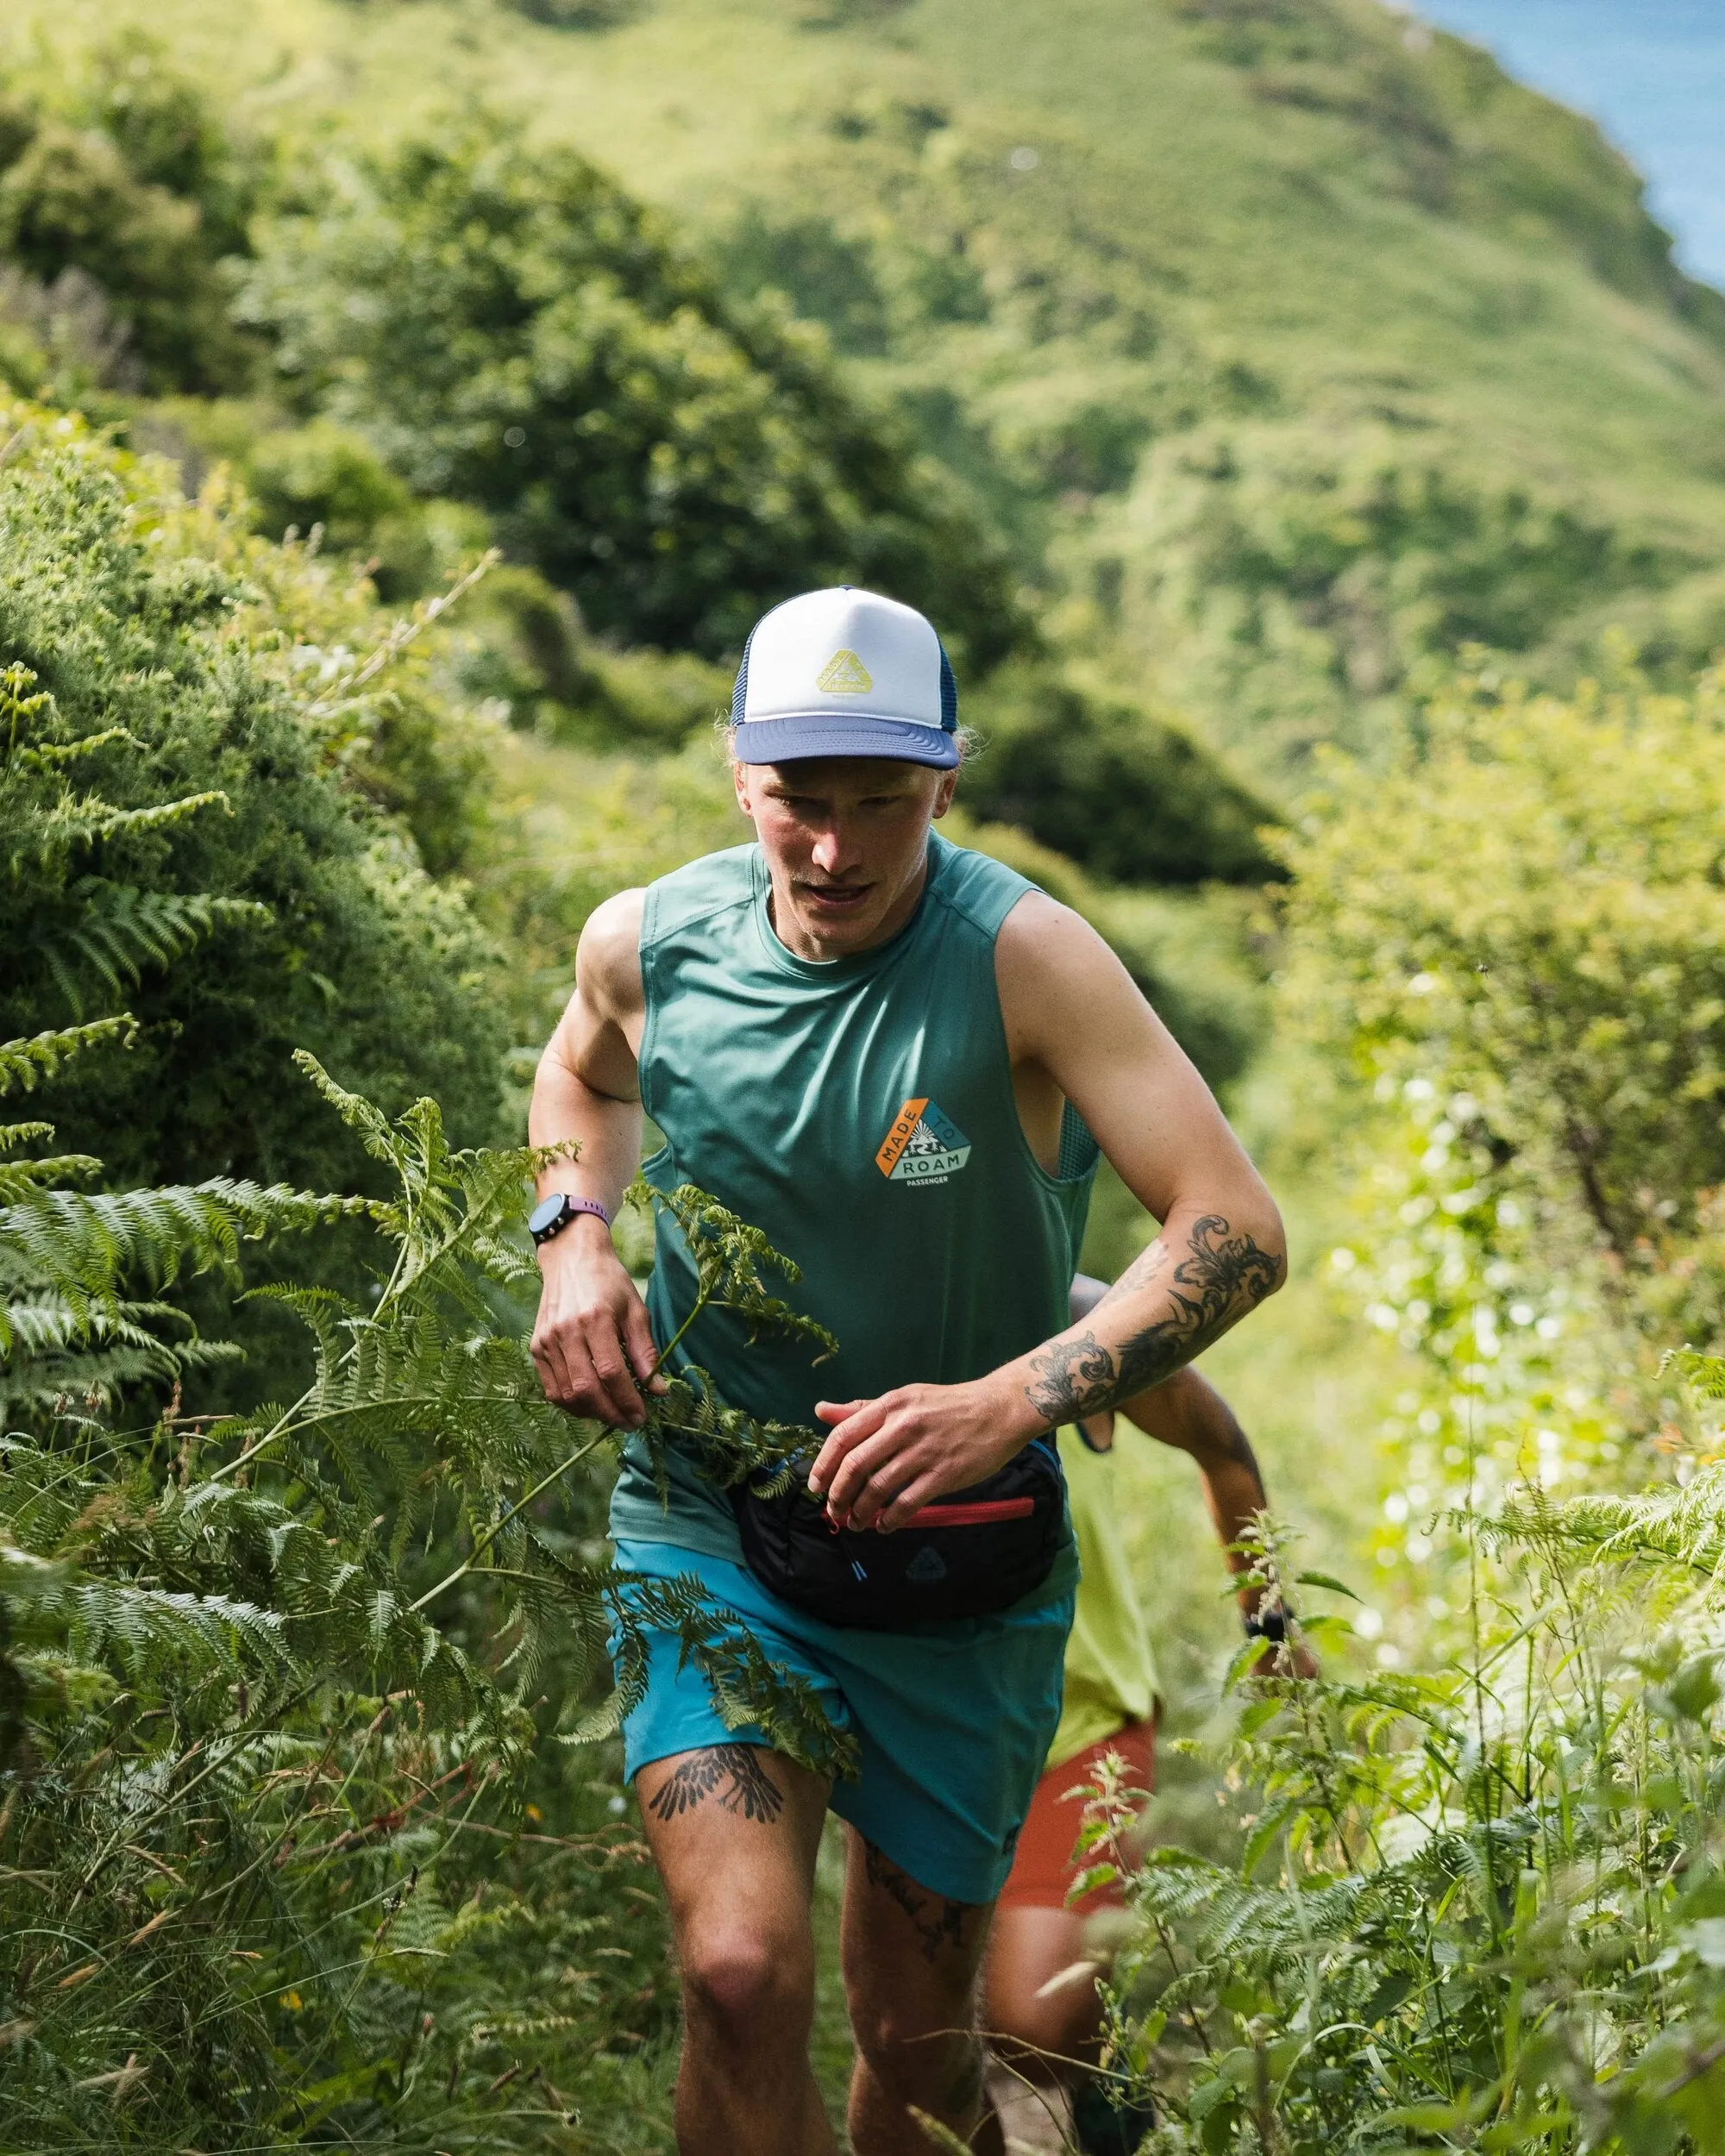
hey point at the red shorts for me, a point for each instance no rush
(1043, 1865)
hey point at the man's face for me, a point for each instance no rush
(846, 842)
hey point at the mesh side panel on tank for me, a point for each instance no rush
(1079, 1151)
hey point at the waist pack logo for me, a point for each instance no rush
(923, 1146)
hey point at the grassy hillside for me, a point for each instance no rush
(1291, 346)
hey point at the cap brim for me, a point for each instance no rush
(790, 738)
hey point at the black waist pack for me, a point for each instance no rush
(968, 1554)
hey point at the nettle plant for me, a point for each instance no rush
(1478, 1907)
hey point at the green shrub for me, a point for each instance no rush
(271, 1685)
(1528, 911)
(207, 663)
(1129, 796)
(510, 329)
(267, 1689)
(127, 180)
(1506, 964)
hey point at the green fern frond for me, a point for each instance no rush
(729, 1256)
(118, 929)
(12, 1134)
(82, 1243)
(1704, 1375)
(732, 1446)
(1680, 1524)
(19, 1179)
(54, 756)
(143, 1629)
(88, 821)
(24, 1063)
(370, 1124)
(18, 709)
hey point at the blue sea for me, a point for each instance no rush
(1650, 72)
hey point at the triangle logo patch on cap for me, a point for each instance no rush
(845, 674)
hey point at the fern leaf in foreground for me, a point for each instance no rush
(274, 1687)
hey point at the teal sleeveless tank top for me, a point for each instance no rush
(861, 1113)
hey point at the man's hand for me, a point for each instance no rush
(590, 1341)
(889, 1456)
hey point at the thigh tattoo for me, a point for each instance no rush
(735, 1774)
(939, 1922)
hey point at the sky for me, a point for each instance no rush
(1650, 72)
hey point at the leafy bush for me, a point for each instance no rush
(126, 178)
(268, 1862)
(1129, 796)
(170, 654)
(1528, 911)
(272, 1862)
(1470, 1897)
(509, 329)
(1504, 963)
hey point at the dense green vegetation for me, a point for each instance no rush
(1290, 350)
(1470, 1890)
(155, 651)
(1237, 382)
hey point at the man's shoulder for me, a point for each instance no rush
(714, 884)
(1043, 936)
(607, 962)
(976, 886)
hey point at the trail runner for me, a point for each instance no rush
(889, 1053)
(1041, 2005)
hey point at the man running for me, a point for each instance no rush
(888, 1053)
(1042, 2008)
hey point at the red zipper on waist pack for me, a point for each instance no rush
(980, 1515)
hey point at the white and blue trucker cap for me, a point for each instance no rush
(845, 672)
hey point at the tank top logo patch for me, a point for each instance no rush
(923, 1146)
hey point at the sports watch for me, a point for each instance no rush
(553, 1214)
(1268, 1623)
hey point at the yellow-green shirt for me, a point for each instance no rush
(1110, 1670)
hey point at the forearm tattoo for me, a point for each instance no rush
(741, 1768)
(1221, 1278)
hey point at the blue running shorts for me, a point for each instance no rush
(953, 1722)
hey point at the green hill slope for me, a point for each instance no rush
(1291, 347)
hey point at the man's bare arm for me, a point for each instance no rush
(590, 1341)
(1186, 1412)
(1074, 1010)
(1165, 1308)
(1077, 1025)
